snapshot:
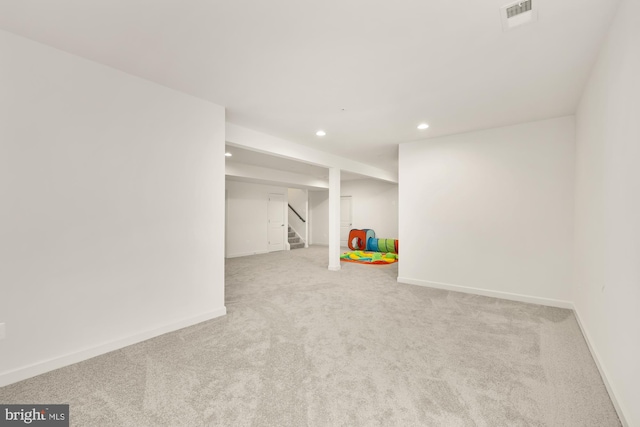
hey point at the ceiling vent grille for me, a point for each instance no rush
(519, 8)
(518, 13)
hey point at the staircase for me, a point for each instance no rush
(295, 242)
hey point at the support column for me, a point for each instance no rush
(334, 219)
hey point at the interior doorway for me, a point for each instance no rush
(345, 219)
(276, 210)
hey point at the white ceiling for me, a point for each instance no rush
(288, 67)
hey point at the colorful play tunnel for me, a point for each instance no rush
(382, 245)
(368, 249)
(365, 240)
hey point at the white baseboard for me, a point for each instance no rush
(246, 254)
(534, 300)
(602, 370)
(488, 293)
(32, 370)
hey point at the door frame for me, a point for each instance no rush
(350, 217)
(285, 240)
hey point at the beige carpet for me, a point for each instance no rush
(305, 346)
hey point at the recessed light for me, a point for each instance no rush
(423, 126)
(228, 154)
(321, 133)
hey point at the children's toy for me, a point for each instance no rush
(358, 239)
(367, 257)
(382, 245)
(370, 250)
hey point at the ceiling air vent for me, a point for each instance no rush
(518, 13)
(518, 8)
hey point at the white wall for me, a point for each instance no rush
(247, 215)
(374, 205)
(319, 217)
(491, 211)
(298, 199)
(110, 193)
(607, 215)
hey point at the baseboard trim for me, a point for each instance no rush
(533, 300)
(32, 370)
(603, 372)
(247, 254)
(488, 293)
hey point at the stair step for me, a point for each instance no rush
(295, 242)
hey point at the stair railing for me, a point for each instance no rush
(297, 214)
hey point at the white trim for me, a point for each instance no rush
(534, 300)
(285, 220)
(334, 219)
(247, 254)
(306, 224)
(602, 370)
(488, 293)
(38, 368)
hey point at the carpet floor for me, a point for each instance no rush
(304, 346)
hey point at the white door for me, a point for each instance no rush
(345, 219)
(276, 222)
